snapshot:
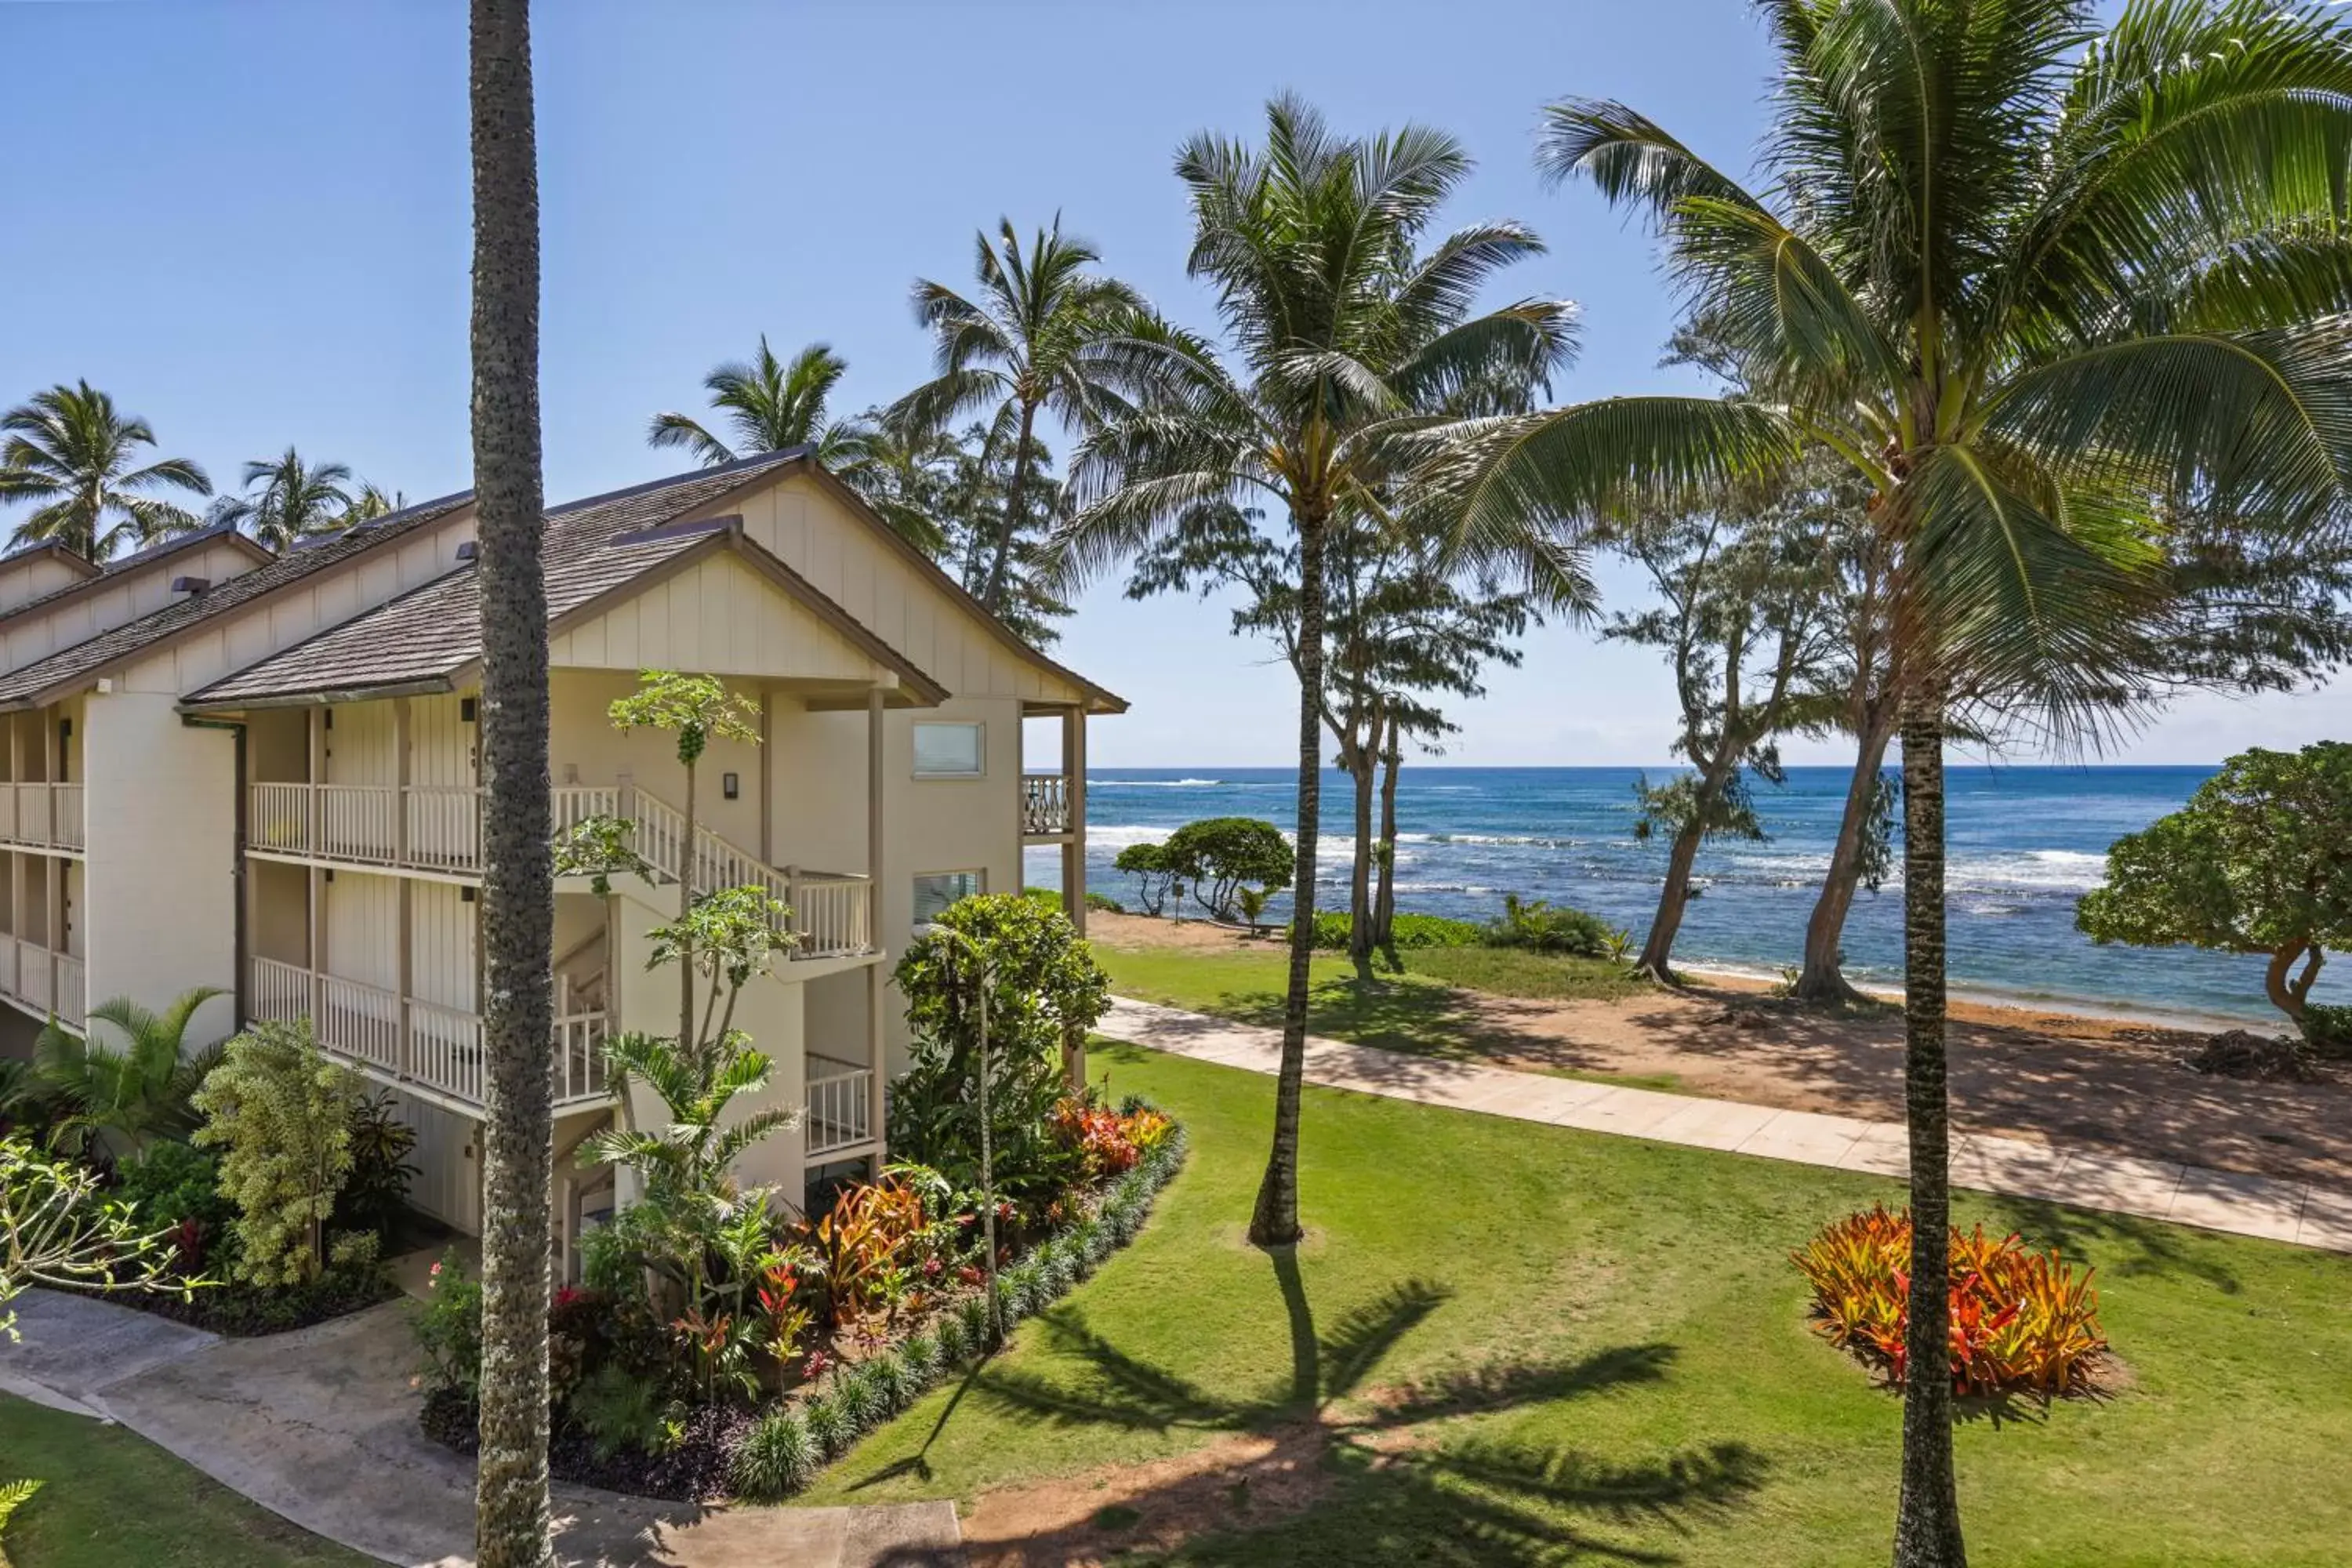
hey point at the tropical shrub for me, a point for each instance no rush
(2254, 863)
(856, 1252)
(115, 1098)
(176, 1187)
(279, 1113)
(1043, 988)
(2023, 1321)
(775, 1459)
(1104, 903)
(1218, 856)
(449, 1327)
(1541, 926)
(1107, 1143)
(1335, 927)
(375, 1193)
(621, 1411)
(13, 1495)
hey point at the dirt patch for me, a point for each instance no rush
(1138, 931)
(1243, 1481)
(2016, 1072)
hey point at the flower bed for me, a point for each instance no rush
(2021, 1321)
(857, 1313)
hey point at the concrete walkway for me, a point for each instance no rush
(2085, 1178)
(319, 1425)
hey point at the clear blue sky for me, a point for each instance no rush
(249, 222)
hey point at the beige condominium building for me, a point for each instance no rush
(259, 773)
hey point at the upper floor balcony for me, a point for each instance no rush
(43, 981)
(437, 831)
(1044, 805)
(43, 816)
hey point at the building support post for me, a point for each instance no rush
(876, 1047)
(1074, 821)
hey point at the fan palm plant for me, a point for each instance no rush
(287, 500)
(770, 404)
(370, 501)
(1341, 329)
(70, 449)
(2026, 279)
(119, 1097)
(1035, 339)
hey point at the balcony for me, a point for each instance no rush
(413, 1045)
(42, 816)
(438, 832)
(840, 1108)
(43, 981)
(1044, 805)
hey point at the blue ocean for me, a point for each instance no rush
(2025, 842)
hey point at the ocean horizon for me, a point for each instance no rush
(2025, 842)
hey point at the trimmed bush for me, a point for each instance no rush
(776, 1459)
(2022, 1322)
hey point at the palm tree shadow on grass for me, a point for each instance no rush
(1400, 1491)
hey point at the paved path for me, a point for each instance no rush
(2095, 1179)
(319, 1425)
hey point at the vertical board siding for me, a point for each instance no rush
(441, 946)
(448, 1183)
(363, 928)
(440, 744)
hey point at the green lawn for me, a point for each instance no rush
(1578, 1347)
(112, 1498)
(1423, 1011)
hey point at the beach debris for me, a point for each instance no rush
(2256, 1058)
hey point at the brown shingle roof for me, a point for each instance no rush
(425, 637)
(113, 572)
(67, 668)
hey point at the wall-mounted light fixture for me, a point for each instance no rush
(731, 784)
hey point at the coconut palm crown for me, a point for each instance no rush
(770, 404)
(2033, 282)
(287, 500)
(1035, 339)
(69, 450)
(1343, 335)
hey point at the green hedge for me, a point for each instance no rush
(1332, 929)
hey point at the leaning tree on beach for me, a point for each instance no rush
(2028, 280)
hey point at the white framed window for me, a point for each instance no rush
(935, 891)
(950, 750)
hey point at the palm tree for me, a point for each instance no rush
(2024, 279)
(287, 500)
(370, 503)
(70, 449)
(1035, 339)
(121, 1097)
(517, 902)
(771, 403)
(1340, 328)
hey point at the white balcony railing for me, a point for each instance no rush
(42, 816)
(840, 1112)
(439, 830)
(1045, 804)
(409, 1042)
(45, 981)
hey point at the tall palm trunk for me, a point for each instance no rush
(1927, 1515)
(1359, 872)
(1822, 978)
(517, 906)
(1275, 1222)
(1384, 903)
(1016, 494)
